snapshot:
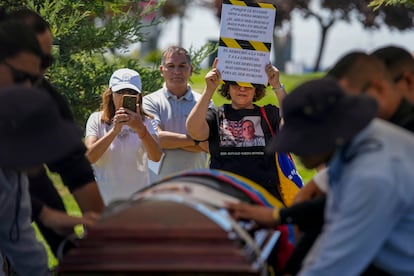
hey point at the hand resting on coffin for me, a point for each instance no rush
(263, 216)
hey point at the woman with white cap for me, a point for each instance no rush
(120, 141)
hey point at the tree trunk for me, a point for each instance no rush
(324, 35)
(282, 45)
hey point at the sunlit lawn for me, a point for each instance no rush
(197, 83)
(71, 207)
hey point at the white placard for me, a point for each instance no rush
(242, 65)
(245, 23)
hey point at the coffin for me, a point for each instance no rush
(178, 226)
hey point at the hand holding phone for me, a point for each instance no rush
(130, 102)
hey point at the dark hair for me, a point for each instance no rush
(396, 59)
(393, 55)
(260, 91)
(359, 69)
(175, 50)
(31, 19)
(15, 38)
(38, 25)
(344, 64)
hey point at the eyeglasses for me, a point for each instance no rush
(21, 76)
(126, 92)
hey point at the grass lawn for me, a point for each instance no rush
(197, 83)
(71, 207)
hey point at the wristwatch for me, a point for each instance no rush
(281, 87)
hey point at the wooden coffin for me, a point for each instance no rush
(170, 229)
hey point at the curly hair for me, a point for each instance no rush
(260, 91)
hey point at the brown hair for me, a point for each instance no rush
(108, 107)
(260, 91)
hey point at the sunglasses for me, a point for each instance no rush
(20, 77)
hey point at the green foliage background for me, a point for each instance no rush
(90, 42)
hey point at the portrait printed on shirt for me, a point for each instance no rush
(246, 132)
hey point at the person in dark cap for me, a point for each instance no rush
(31, 132)
(358, 72)
(48, 209)
(369, 216)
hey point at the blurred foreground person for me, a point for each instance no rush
(369, 216)
(25, 52)
(31, 132)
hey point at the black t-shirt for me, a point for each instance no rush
(237, 141)
(74, 169)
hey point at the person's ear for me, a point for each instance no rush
(161, 71)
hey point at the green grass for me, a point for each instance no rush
(72, 209)
(197, 83)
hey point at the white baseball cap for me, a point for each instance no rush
(125, 78)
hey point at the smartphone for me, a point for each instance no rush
(130, 102)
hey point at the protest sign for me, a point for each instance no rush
(246, 33)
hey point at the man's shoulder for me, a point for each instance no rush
(155, 94)
(155, 97)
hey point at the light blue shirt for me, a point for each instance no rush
(17, 236)
(369, 216)
(170, 114)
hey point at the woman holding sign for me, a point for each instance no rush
(240, 157)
